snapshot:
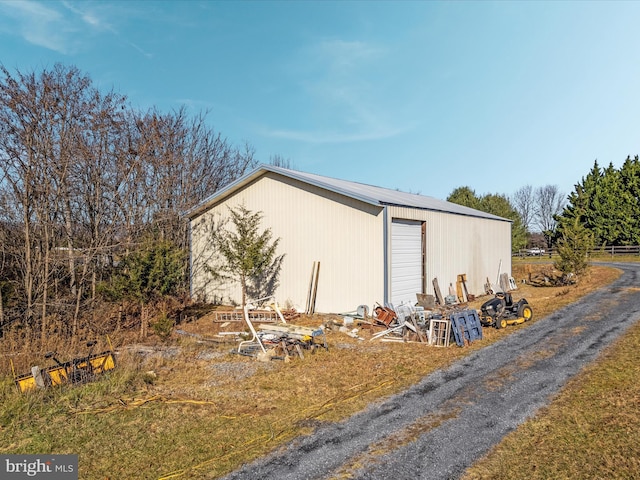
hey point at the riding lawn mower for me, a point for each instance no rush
(501, 311)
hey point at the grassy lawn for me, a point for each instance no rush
(193, 410)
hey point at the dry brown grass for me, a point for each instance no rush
(193, 410)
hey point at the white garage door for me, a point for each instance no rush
(406, 260)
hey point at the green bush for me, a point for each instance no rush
(163, 326)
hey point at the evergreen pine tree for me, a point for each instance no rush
(630, 202)
(249, 255)
(573, 247)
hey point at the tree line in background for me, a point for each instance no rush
(606, 203)
(92, 194)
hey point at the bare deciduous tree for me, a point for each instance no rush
(183, 161)
(83, 179)
(549, 202)
(523, 202)
(279, 161)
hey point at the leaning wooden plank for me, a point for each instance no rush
(436, 289)
(315, 290)
(462, 279)
(459, 292)
(421, 336)
(307, 309)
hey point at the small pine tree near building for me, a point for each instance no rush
(573, 247)
(249, 255)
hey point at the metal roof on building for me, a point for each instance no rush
(360, 191)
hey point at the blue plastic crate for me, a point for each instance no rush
(466, 326)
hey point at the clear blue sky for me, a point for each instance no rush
(420, 96)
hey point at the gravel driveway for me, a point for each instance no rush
(442, 425)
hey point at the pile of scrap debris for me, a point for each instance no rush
(435, 320)
(226, 321)
(271, 335)
(278, 340)
(409, 323)
(550, 277)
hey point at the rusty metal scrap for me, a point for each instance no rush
(405, 323)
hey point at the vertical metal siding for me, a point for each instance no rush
(352, 241)
(343, 234)
(457, 244)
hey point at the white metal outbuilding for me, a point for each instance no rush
(373, 244)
